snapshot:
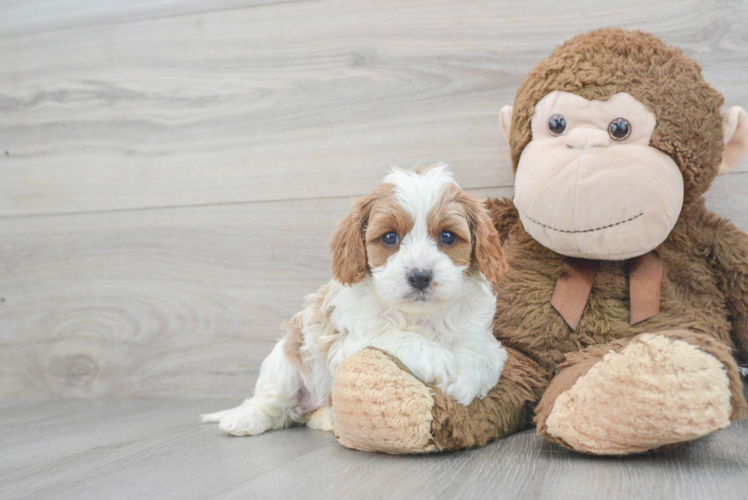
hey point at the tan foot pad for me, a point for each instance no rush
(656, 391)
(379, 407)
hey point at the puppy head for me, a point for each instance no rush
(420, 237)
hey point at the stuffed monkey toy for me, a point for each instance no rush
(626, 299)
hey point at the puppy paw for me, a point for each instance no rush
(479, 372)
(244, 421)
(438, 367)
(490, 368)
(463, 390)
(321, 419)
(468, 386)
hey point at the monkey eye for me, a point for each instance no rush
(390, 239)
(619, 129)
(448, 238)
(557, 124)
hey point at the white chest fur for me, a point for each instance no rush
(449, 344)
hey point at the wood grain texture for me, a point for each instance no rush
(168, 185)
(179, 303)
(25, 17)
(296, 100)
(80, 449)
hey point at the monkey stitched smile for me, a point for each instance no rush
(584, 230)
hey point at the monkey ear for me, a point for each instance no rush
(348, 244)
(735, 130)
(505, 121)
(486, 245)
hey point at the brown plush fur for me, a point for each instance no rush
(693, 293)
(702, 254)
(506, 409)
(704, 297)
(371, 408)
(694, 298)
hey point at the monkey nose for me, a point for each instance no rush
(584, 138)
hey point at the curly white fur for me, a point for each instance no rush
(445, 340)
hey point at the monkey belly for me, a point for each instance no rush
(691, 299)
(539, 341)
(692, 303)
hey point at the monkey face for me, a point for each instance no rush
(589, 184)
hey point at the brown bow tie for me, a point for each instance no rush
(575, 283)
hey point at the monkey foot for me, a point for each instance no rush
(379, 406)
(657, 391)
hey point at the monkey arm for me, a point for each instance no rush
(506, 409)
(378, 405)
(729, 255)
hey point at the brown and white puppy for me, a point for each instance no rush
(414, 264)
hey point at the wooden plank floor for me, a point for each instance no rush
(152, 449)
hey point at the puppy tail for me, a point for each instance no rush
(213, 417)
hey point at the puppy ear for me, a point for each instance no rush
(486, 245)
(348, 243)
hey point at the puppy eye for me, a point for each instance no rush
(557, 125)
(619, 129)
(390, 239)
(448, 238)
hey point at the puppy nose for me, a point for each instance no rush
(587, 138)
(419, 278)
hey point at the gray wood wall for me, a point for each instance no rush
(170, 170)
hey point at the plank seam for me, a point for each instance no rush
(205, 205)
(85, 26)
